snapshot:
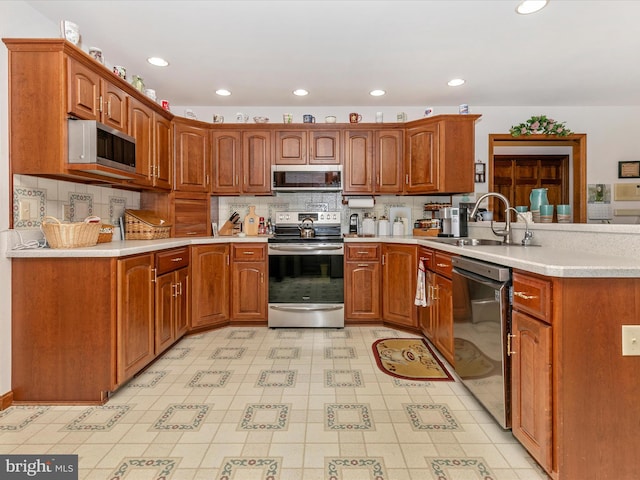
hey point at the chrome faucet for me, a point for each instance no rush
(505, 233)
(528, 234)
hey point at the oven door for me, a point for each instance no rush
(306, 285)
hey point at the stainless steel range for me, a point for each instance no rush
(306, 281)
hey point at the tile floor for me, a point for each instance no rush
(285, 404)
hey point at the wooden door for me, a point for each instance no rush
(114, 106)
(291, 147)
(362, 291)
(388, 161)
(427, 315)
(165, 312)
(443, 292)
(531, 402)
(399, 284)
(421, 159)
(163, 153)
(324, 147)
(135, 332)
(192, 167)
(84, 90)
(225, 146)
(210, 285)
(249, 291)
(358, 161)
(183, 306)
(256, 161)
(141, 128)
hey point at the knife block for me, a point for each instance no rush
(227, 229)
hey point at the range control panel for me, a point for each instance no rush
(319, 218)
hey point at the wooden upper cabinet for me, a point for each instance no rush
(388, 169)
(91, 97)
(192, 163)
(256, 161)
(141, 128)
(358, 161)
(225, 151)
(302, 147)
(163, 158)
(422, 157)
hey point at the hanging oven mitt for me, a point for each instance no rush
(421, 288)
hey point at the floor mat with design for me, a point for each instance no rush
(409, 358)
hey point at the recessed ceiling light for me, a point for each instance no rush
(157, 61)
(531, 6)
(456, 82)
(377, 93)
(300, 92)
(223, 92)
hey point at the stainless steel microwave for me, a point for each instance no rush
(306, 178)
(92, 142)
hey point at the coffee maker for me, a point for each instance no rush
(454, 222)
(353, 223)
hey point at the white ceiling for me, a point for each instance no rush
(571, 53)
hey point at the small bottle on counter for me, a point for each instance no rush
(262, 229)
(269, 227)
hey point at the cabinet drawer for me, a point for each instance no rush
(170, 260)
(427, 256)
(532, 295)
(442, 264)
(248, 253)
(363, 252)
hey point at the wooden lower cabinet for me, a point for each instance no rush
(249, 282)
(443, 316)
(399, 264)
(210, 288)
(362, 282)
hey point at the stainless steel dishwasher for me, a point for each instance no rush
(481, 325)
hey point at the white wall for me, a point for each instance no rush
(612, 137)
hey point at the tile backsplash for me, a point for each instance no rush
(35, 198)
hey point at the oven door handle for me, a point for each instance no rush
(328, 308)
(305, 248)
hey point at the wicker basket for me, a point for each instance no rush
(70, 235)
(145, 225)
(106, 233)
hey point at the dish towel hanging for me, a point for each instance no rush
(421, 289)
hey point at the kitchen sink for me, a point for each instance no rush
(477, 242)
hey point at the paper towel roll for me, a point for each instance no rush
(361, 202)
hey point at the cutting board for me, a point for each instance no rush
(251, 222)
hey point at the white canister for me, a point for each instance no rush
(398, 228)
(368, 226)
(383, 227)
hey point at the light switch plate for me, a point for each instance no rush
(630, 340)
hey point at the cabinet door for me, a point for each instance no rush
(443, 338)
(210, 287)
(421, 159)
(531, 419)
(291, 147)
(389, 162)
(358, 162)
(225, 148)
(183, 305)
(114, 106)
(141, 128)
(135, 332)
(427, 316)
(324, 147)
(249, 291)
(256, 161)
(362, 291)
(192, 159)
(163, 154)
(165, 312)
(399, 284)
(83, 91)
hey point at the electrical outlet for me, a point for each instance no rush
(630, 340)
(66, 212)
(25, 210)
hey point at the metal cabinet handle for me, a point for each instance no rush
(363, 264)
(177, 259)
(509, 351)
(524, 296)
(174, 290)
(248, 253)
(100, 104)
(154, 271)
(443, 265)
(436, 289)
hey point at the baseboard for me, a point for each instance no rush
(6, 400)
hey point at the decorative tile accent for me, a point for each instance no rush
(147, 379)
(228, 353)
(80, 206)
(277, 378)
(117, 206)
(241, 334)
(36, 198)
(284, 353)
(209, 379)
(265, 417)
(14, 419)
(399, 382)
(256, 468)
(431, 417)
(348, 416)
(384, 333)
(182, 416)
(162, 468)
(372, 467)
(289, 334)
(453, 468)
(176, 353)
(98, 419)
(343, 378)
(336, 334)
(339, 353)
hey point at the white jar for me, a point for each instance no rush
(398, 228)
(368, 226)
(383, 227)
